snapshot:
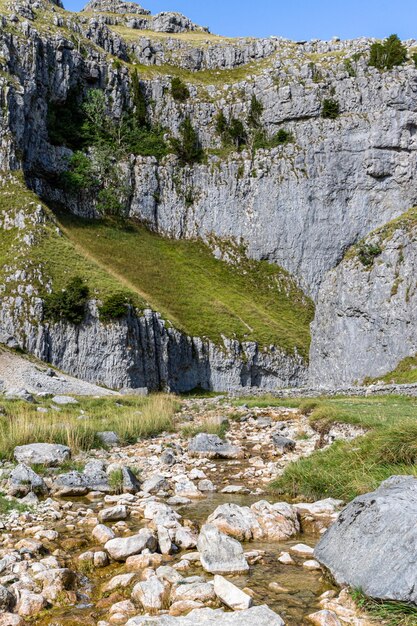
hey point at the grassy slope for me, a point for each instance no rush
(348, 469)
(196, 292)
(54, 254)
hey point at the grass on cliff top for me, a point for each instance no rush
(348, 469)
(199, 294)
(217, 77)
(77, 425)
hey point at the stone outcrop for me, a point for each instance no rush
(367, 313)
(370, 546)
(143, 351)
(114, 6)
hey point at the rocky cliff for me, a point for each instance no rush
(366, 312)
(299, 203)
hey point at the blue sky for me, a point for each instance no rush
(295, 19)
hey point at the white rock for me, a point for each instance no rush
(230, 595)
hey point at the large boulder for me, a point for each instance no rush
(48, 454)
(236, 521)
(219, 553)
(95, 477)
(373, 544)
(121, 548)
(259, 615)
(211, 446)
(274, 522)
(70, 485)
(23, 480)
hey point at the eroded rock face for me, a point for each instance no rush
(372, 544)
(24, 480)
(366, 316)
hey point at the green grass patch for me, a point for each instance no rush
(348, 469)
(404, 373)
(7, 506)
(267, 401)
(391, 613)
(199, 294)
(77, 425)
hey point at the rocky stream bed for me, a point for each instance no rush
(194, 532)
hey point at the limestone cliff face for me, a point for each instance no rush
(367, 314)
(300, 205)
(144, 351)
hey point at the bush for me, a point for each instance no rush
(262, 142)
(80, 175)
(367, 252)
(179, 90)
(237, 133)
(349, 67)
(187, 147)
(414, 58)
(68, 304)
(386, 55)
(222, 126)
(255, 113)
(139, 100)
(115, 307)
(308, 405)
(145, 141)
(330, 109)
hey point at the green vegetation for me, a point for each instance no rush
(367, 253)
(116, 480)
(404, 373)
(130, 418)
(68, 304)
(115, 306)
(255, 113)
(391, 613)
(414, 58)
(388, 54)
(347, 469)
(59, 259)
(262, 142)
(350, 68)
(179, 90)
(187, 146)
(199, 294)
(101, 143)
(330, 109)
(6, 506)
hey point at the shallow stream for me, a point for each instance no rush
(298, 597)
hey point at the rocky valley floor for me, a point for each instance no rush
(178, 527)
